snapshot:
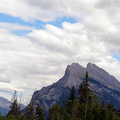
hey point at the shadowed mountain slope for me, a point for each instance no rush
(5, 106)
(106, 86)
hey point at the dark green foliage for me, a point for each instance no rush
(110, 107)
(29, 113)
(112, 111)
(83, 107)
(85, 98)
(14, 113)
(71, 105)
(14, 107)
(56, 113)
(72, 96)
(1, 117)
(39, 113)
(84, 92)
(13, 117)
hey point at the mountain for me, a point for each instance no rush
(5, 106)
(106, 86)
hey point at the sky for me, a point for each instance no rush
(39, 38)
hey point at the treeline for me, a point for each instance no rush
(84, 107)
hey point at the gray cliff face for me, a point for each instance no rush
(102, 76)
(106, 86)
(54, 94)
(74, 75)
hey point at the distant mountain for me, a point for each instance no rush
(106, 86)
(5, 106)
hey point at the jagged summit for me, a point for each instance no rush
(74, 64)
(75, 67)
(90, 65)
(93, 67)
(75, 73)
(106, 86)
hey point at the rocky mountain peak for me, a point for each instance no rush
(102, 76)
(106, 86)
(75, 67)
(73, 74)
(95, 69)
(90, 65)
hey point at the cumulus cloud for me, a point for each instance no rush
(40, 57)
(47, 10)
(16, 26)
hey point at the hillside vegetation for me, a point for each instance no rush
(84, 107)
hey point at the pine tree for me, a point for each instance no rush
(57, 113)
(30, 110)
(14, 107)
(39, 113)
(112, 111)
(72, 96)
(72, 104)
(29, 113)
(85, 98)
(84, 91)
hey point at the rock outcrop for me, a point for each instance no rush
(106, 86)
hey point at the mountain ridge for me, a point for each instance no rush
(5, 106)
(106, 86)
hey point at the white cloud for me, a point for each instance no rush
(47, 10)
(40, 57)
(16, 26)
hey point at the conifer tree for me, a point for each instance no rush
(14, 107)
(57, 113)
(72, 104)
(85, 97)
(39, 113)
(72, 96)
(84, 91)
(29, 113)
(30, 110)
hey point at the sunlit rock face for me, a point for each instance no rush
(105, 85)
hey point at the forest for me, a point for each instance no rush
(85, 106)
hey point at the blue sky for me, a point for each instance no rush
(114, 55)
(37, 23)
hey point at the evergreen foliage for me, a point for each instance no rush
(1, 117)
(29, 113)
(39, 113)
(83, 107)
(85, 98)
(72, 96)
(14, 108)
(57, 113)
